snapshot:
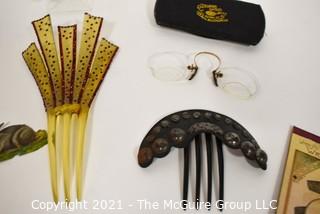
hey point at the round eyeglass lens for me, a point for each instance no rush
(238, 82)
(169, 66)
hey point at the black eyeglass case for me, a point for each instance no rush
(229, 20)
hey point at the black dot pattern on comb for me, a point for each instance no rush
(36, 66)
(43, 28)
(68, 46)
(101, 63)
(90, 34)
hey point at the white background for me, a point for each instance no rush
(130, 101)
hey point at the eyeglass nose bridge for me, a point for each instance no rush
(216, 72)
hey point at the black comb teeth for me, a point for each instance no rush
(209, 167)
(198, 159)
(186, 176)
(198, 169)
(221, 173)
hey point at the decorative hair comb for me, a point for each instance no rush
(68, 86)
(181, 128)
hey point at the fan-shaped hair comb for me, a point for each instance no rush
(69, 90)
(181, 128)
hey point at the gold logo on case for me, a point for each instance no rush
(211, 13)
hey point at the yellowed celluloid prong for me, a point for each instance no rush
(101, 63)
(44, 31)
(43, 28)
(90, 33)
(38, 70)
(36, 66)
(68, 46)
(53, 154)
(82, 121)
(66, 155)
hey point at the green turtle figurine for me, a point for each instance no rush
(19, 140)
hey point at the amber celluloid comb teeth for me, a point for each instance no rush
(68, 82)
(197, 128)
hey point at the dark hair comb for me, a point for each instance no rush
(181, 128)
